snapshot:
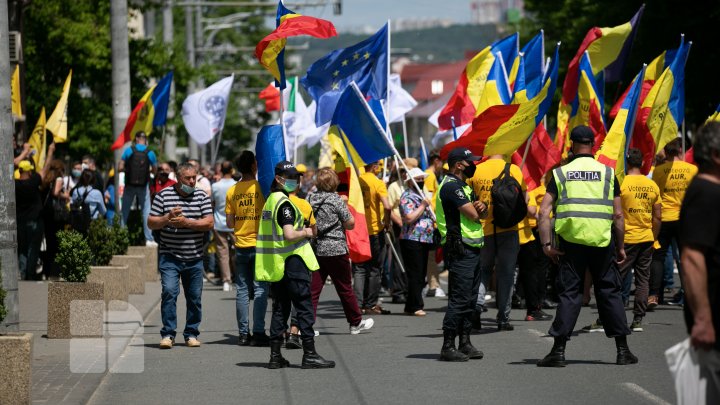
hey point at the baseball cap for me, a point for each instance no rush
(285, 168)
(25, 166)
(414, 173)
(461, 153)
(582, 134)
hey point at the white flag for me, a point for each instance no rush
(401, 102)
(204, 112)
(311, 134)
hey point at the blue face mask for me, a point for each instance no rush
(76, 173)
(290, 185)
(187, 189)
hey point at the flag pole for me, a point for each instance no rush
(282, 122)
(390, 144)
(387, 84)
(452, 122)
(527, 149)
(683, 122)
(424, 150)
(632, 121)
(405, 137)
(217, 147)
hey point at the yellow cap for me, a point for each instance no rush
(445, 166)
(25, 166)
(111, 172)
(301, 168)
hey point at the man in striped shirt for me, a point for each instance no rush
(183, 215)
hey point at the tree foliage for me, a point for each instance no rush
(660, 28)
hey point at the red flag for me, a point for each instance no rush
(271, 95)
(542, 156)
(689, 156)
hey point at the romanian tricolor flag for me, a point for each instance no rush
(464, 105)
(150, 111)
(270, 51)
(587, 107)
(614, 149)
(542, 155)
(501, 129)
(606, 47)
(663, 110)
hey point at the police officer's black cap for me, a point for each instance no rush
(286, 168)
(461, 153)
(582, 134)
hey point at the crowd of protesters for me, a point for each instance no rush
(214, 223)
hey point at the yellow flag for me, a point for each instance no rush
(57, 123)
(15, 92)
(38, 142)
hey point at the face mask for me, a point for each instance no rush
(85, 166)
(187, 189)
(76, 173)
(290, 185)
(469, 171)
(420, 184)
(163, 176)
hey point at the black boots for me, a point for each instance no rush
(475, 319)
(449, 352)
(556, 357)
(624, 356)
(467, 348)
(313, 360)
(276, 359)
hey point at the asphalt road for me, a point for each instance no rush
(396, 362)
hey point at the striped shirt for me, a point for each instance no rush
(183, 243)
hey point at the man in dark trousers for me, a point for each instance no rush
(458, 220)
(586, 198)
(139, 162)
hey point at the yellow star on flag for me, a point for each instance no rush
(345, 62)
(336, 73)
(367, 55)
(335, 86)
(356, 56)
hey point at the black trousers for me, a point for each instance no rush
(464, 282)
(608, 288)
(293, 290)
(399, 279)
(415, 256)
(366, 275)
(533, 266)
(668, 231)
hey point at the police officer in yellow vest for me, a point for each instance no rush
(586, 197)
(458, 220)
(285, 259)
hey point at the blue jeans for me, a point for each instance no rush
(172, 270)
(672, 257)
(142, 193)
(500, 252)
(245, 268)
(29, 236)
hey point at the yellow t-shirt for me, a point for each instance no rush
(673, 178)
(638, 195)
(245, 201)
(431, 187)
(482, 183)
(373, 189)
(395, 190)
(526, 226)
(305, 208)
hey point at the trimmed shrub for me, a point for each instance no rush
(73, 257)
(120, 238)
(100, 240)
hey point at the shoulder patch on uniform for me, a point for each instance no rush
(287, 212)
(459, 193)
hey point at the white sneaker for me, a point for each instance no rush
(439, 292)
(151, 243)
(226, 286)
(365, 324)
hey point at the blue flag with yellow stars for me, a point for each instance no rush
(365, 63)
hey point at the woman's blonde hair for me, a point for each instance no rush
(327, 180)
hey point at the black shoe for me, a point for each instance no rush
(549, 304)
(467, 348)
(313, 360)
(430, 293)
(276, 358)
(399, 300)
(260, 340)
(556, 357)
(448, 351)
(293, 342)
(625, 357)
(244, 339)
(505, 327)
(538, 315)
(475, 319)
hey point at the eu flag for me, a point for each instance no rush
(365, 63)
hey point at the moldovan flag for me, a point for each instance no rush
(203, 112)
(464, 105)
(38, 142)
(501, 129)
(614, 149)
(270, 51)
(542, 156)
(57, 123)
(15, 93)
(662, 111)
(150, 111)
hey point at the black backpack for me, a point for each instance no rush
(509, 206)
(137, 168)
(80, 215)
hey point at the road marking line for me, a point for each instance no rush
(632, 387)
(540, 334)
